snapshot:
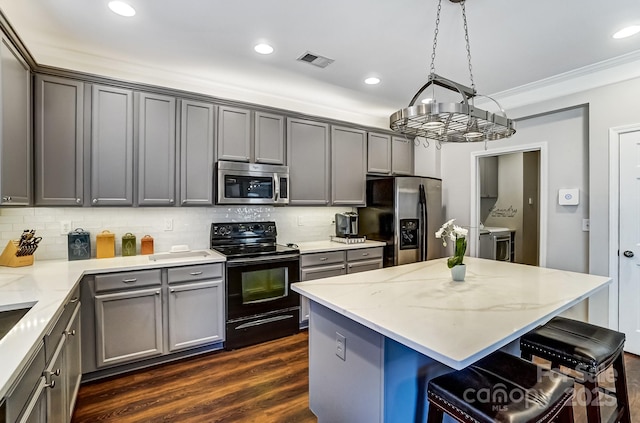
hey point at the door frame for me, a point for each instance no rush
(614, 219)
(542, 147)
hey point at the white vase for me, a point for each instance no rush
(458, 272)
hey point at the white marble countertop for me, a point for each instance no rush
(47, 285)
(324, 246)
(455, 323)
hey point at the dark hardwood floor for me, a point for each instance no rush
(263, 383)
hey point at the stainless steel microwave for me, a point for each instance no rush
(251, 183)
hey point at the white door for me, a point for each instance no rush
(629, 240)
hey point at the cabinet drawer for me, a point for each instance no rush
(21, 392)
(364, 254)
(127, 280)
(321, 258)
(320, 272)
(364, 265)
(52, 339)
(194, 273)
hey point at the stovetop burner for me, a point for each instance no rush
(247, 239)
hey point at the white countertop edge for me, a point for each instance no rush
(15, 352)
(454, 363)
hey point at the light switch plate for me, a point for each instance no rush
(341, 346)
(65, 227)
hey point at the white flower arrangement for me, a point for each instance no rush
(457, 235)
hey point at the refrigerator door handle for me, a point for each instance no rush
(423, 224)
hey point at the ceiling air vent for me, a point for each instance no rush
(316, 60)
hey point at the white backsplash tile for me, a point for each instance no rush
(191, 225)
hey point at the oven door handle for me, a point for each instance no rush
(264, 321)
(257, 260)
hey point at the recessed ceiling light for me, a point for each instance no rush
(372, 81)
(627, 32)
(121, 8)
(263, 49)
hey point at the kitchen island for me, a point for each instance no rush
(376, 337)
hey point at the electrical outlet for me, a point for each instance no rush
(341, 346)
(586, 223)
(168, 224)
(65, 227)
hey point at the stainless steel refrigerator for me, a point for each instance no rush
(405, 212)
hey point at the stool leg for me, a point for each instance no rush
(592, 393)
(622, 397)
(435, 414)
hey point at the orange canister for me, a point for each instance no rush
(146, 245)
(105, 245)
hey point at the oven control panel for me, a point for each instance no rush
(243, 230)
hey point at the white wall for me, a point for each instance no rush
(191, 226)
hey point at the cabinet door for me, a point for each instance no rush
(320, 272)
(15, 92)
(401, 156)
(111, 146)
(156, 149)
(128, 326)
(269, 138)
(196, 153)
(59, 123)
(56, 393)
(234, 134)
(72, 360)
(36, 411)
(363, 266)
(308, 158)
(348, 166)
(488, 167)
(196, 314)
(379, 153)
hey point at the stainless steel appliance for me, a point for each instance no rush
(260, 305)
(495, 244)
(405, 212)
(251, 183)
(347, 224)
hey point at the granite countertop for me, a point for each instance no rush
(324, 246)
(47, 285)
(455, 323)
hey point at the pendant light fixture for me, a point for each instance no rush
(451, 122)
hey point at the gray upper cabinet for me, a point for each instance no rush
(196, 153)
(269, 138)
(234, 134)
(15, 144)
(111, 146)
(348, 166)
(156, 149)
(488, 167)
(379, 153)
(59, 123)
(401, 156)
(308, 158)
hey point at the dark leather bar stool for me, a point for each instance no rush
(587, 349)
(501, 388)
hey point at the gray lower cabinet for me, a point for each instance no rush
(234, 134)
(59, 129)
(269, 138)
(348, 166)
(56, 394)
(111, 146)
(26, 399)
(308, 158)
(364, 259)
(379, 153)
(401, 156)
(73, 362)
(15, 124)
(156, 131)
(197, 132)
(318, 266)
(36, 411)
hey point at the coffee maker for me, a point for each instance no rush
(347, 225)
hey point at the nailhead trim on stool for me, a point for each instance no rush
(501, 388)
(588, 349)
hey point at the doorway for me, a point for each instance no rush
(480, 204)
(624, 253)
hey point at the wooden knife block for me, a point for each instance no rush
(8, 257)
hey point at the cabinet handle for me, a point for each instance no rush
(56, 373)
(78, 200)
(323, 258)
(131, 280)
(94, 201)
(172, 291)
(171, 201)
(365, 254)
(157, 292)
(6, 198)
(195, 273)
(51, 384)
(70, 332)
(73, 300)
